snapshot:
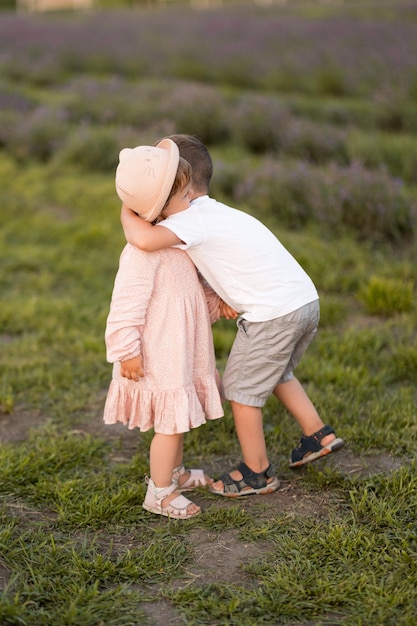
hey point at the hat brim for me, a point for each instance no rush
(147, 202)
(168, 179)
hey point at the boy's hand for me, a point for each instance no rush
(227, 311)
(132, 368)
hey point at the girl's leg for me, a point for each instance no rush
(189, 478)
(179, 455)
(166, 453)
(296, 401)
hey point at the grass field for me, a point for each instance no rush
(310, 113)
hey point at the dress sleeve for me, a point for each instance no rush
(131, 294)
(213, 300)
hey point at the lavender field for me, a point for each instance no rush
(342, 53)
(309, 110)
(323, 101)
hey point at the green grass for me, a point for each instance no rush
(76, 544)
(337, 544)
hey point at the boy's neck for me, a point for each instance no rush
(199, 195)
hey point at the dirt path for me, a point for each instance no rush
(218, 557)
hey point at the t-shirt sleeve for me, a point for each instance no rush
(188, 227)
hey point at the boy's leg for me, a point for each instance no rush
(295, 399)
(250, 433)
(318, 439)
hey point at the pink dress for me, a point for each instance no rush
(159, 309)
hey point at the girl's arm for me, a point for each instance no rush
(131, 294)
(145, 235)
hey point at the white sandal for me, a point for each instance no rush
(176, 509)
(196, 479)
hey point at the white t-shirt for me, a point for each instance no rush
(242, 260)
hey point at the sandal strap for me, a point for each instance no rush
(162, 492)
(311, 443)
(231, 485)
(318, 436)
(177, 472)
(256, 480)
(195, 479)
(178, 504)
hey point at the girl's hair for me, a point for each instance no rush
(182, 179)
(196, 153)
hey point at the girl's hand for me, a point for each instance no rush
(227, 311)
(132, 368)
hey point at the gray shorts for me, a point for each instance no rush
(265, 354)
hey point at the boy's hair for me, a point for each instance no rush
(196, 153)
(182, 178)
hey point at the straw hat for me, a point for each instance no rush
(145, 175)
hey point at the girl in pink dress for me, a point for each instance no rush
(158, 333)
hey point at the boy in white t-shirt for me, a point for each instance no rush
(278, 311)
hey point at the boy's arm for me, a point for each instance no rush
(145, 235)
